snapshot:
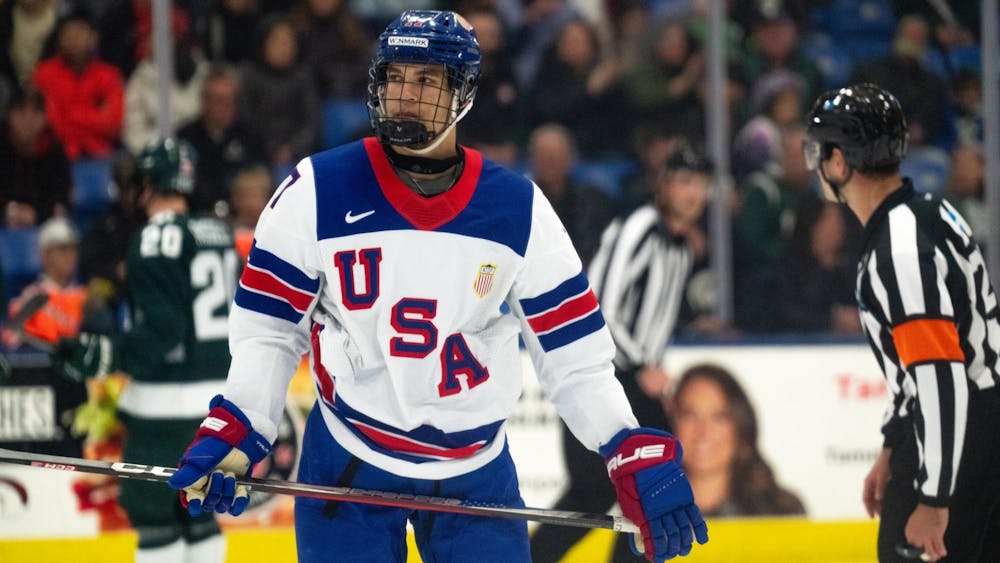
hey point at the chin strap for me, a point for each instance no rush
(423, 165)
(837, 186)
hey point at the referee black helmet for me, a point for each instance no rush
(686, 157)
(864, 121)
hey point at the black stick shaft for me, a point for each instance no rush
(363, 496)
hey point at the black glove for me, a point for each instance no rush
(89, 355)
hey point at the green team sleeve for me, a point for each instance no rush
(159, 289)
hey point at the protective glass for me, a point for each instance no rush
(812, 151)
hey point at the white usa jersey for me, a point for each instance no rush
(411, 308)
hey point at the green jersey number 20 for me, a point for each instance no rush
(213, 281)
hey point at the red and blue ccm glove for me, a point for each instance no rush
(224, 447)
(645, 467)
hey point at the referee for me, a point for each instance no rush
(931, 318)
(639, 274)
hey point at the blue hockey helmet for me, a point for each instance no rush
(424, 37)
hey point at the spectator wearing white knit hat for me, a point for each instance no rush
(58, 247)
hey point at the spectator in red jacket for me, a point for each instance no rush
(84, 96)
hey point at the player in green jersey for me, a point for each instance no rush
(181, 273)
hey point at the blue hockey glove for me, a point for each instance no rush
(224, 447)
(645, 467)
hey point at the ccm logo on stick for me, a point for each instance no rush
(47, 465)
(135, 468)
(644, 452)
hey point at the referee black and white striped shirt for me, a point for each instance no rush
(930, 315)
(638, 275)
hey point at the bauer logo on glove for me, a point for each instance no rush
(654, 493)
(644, 452)
(225, 447)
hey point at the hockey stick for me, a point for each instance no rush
(31, 306)
(363, 496)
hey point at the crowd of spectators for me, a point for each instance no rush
(586, 97)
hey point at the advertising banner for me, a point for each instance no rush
(818, 410)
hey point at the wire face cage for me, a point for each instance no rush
(413, 103)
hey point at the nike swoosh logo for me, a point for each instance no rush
(348, 218)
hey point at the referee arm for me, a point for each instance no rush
(611, 274)
(927, 344)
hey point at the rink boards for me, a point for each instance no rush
(764, 541)
(818, 407)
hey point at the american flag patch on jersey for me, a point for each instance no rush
(484, 279)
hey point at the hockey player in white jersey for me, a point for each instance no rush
(408, 266)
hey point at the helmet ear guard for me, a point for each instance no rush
(424, 37)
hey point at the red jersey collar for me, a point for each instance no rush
(425, 213)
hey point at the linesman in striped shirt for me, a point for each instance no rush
(639, 274)
(930, 315)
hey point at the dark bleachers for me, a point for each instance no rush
(19, 258)
(607, 175)
(842, 18)
(92, 190)
(928, 167)
(861, 30)
(342, 120)
(833, 62)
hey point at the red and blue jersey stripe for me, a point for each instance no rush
(271, 286)
(422, 444)
(565, 314)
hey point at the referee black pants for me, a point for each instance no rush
(590, 489)
(973, 533)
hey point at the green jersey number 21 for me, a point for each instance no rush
(213, 279)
